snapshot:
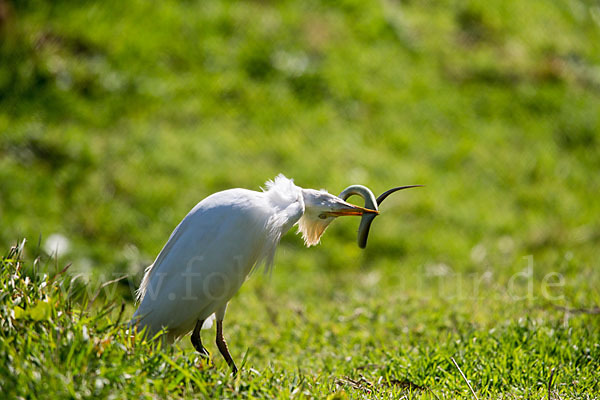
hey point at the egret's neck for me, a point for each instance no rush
(286, 207)
(287, 203)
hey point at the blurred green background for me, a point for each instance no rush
(116, 118)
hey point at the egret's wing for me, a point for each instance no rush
(204, 263)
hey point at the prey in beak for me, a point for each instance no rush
(372, 203)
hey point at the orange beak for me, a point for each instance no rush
(350, 209)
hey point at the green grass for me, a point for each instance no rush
(353, 342)
(116, 119)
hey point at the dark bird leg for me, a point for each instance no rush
(222, 345)
(197, 341)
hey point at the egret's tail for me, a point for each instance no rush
(141, 292)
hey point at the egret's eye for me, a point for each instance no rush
(323, 216)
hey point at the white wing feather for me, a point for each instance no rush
(208, 257)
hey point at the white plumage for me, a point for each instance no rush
(211, 252)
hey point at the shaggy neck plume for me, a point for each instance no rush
(284, 194)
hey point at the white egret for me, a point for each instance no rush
(211, 252)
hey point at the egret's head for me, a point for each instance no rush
(320, 208)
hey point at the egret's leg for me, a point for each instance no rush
(197, 341)
(222, 345)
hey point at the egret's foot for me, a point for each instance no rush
(222, 345)
(203, 353)
(204, 363)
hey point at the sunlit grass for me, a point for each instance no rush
(116, 119)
